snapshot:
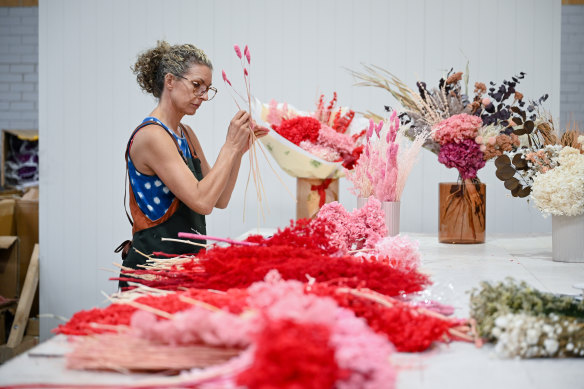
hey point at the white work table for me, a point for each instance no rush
(455, 270)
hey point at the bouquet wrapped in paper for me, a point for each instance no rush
(319, 144)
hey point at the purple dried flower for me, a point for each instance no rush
(465, 156)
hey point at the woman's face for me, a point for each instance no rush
(191, 89)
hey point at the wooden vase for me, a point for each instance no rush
(313, 193)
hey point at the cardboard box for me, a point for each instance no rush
(7, 225)
(27, 229)
(9, 267)
(26, 217)
(25, 135)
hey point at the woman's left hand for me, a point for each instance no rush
(258, 131)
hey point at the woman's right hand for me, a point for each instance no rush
(239, 131)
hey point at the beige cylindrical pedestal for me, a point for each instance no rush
(313, 193)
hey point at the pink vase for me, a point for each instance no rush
(391, 210)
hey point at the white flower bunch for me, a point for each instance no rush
(526, 336)
(560, 191)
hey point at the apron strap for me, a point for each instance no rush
(142, 125)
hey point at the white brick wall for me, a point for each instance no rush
(572, 65)
(19, 67)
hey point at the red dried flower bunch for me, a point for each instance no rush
(324, 133)
(291, 364)
(299, 129)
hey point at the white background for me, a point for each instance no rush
(89, 102)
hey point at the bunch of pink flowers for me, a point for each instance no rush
(386, 162)
(458, 146)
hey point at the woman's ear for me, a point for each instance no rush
(169, 80)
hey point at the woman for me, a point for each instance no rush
(172, 186)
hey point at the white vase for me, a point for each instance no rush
(391, 210)
(568, 238)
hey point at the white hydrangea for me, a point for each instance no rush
(560, 191)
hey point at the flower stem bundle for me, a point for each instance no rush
(528, 323)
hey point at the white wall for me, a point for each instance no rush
(572, 68)
(90, 102)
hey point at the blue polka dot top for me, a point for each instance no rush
(152, 196)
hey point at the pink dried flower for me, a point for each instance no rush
(360, 228)
(328, 137)
(245, 73)
(465, 156)
(322, 152)
(486, 101)
(225, 77)
(457, 128)
(247, 55)
(237, 50)
(379, 127)
(399, 251)
(371, 128)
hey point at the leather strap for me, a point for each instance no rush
(142, 125)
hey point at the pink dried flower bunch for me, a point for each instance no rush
(457, 128)
(399, 252)
(218, 328)
(358, 349)
(542, 160)
(328, 137)
(321, 152)
(459, 149)
(466, 156)
(332, 133)
(386, 162)
(346, 231)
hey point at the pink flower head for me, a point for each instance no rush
(247, 55)
(371, 128)
(465, 156)
(379, 127)
(237, 50)
(479, 139)
(225, 78)
(492, 140)
(486, 101)
(457, 128)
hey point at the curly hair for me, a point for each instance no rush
(152, 65)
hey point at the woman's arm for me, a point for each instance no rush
(154, 152)
(223, 200)
(225, 197)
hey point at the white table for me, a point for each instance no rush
(455, 269)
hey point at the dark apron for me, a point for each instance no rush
(184, 219)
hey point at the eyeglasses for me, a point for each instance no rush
(201, 89)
